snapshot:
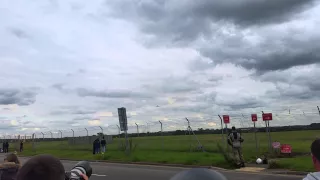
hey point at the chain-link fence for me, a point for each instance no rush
(173, 133)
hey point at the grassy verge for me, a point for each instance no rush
(182, 150)
(296, 164)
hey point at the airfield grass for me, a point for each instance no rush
(183, 149)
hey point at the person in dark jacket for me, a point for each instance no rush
(97, 146)
(21, 146)
(10, 167)
(94, 147)
(103, 145)
(3, 146)
(7, 147)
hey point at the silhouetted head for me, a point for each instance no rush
(315, 150)
(233, 128)
(197, 174)
(42, 167)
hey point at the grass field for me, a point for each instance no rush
(176, 149)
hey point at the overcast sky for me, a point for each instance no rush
(70, 64)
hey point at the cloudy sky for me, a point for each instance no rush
(70, 64)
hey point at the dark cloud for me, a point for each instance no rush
(282, 53)
(181, 21)
(219, 26)
(83, 92)
(22, 97)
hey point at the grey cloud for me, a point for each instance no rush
(22, 97)
(173, 84)
(111, 93)
(181, 23)
(294, 84)
(185, 21)
(283, 53)
(18, 33)
(240, 102)
(72, 111)
(82, 118)
(58, 86)
(292, 92)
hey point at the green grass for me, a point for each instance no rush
(181, 149)
(303, 163)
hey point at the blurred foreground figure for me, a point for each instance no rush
(315, 153)
(10, 167)
(235, 140)
(199, 174)
(42, 167)
(47, 167)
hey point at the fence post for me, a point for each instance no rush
(222, 134)
(162, 135)
(101, 129)
(137, 129)
(87, 135)
(72, 136)
(60, 134)
(51, 135)
(42, 135)
(118, 130)
(147, 128)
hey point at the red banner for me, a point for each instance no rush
(286, 149)
(267, 116)
(254, 117)
(226, 119)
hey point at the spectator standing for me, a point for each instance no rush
(10, 167)
(315, 154)
(6, 147)
(21, 146)
(94, 147)
(97, 145)
(103, 145)
(3, 146)
(235, 140)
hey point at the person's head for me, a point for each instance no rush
(233, 128)
(42, 167)
(315, 150)
(102, 137)
(12, 158)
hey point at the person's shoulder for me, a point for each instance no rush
(312, 176)
(9, 165)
